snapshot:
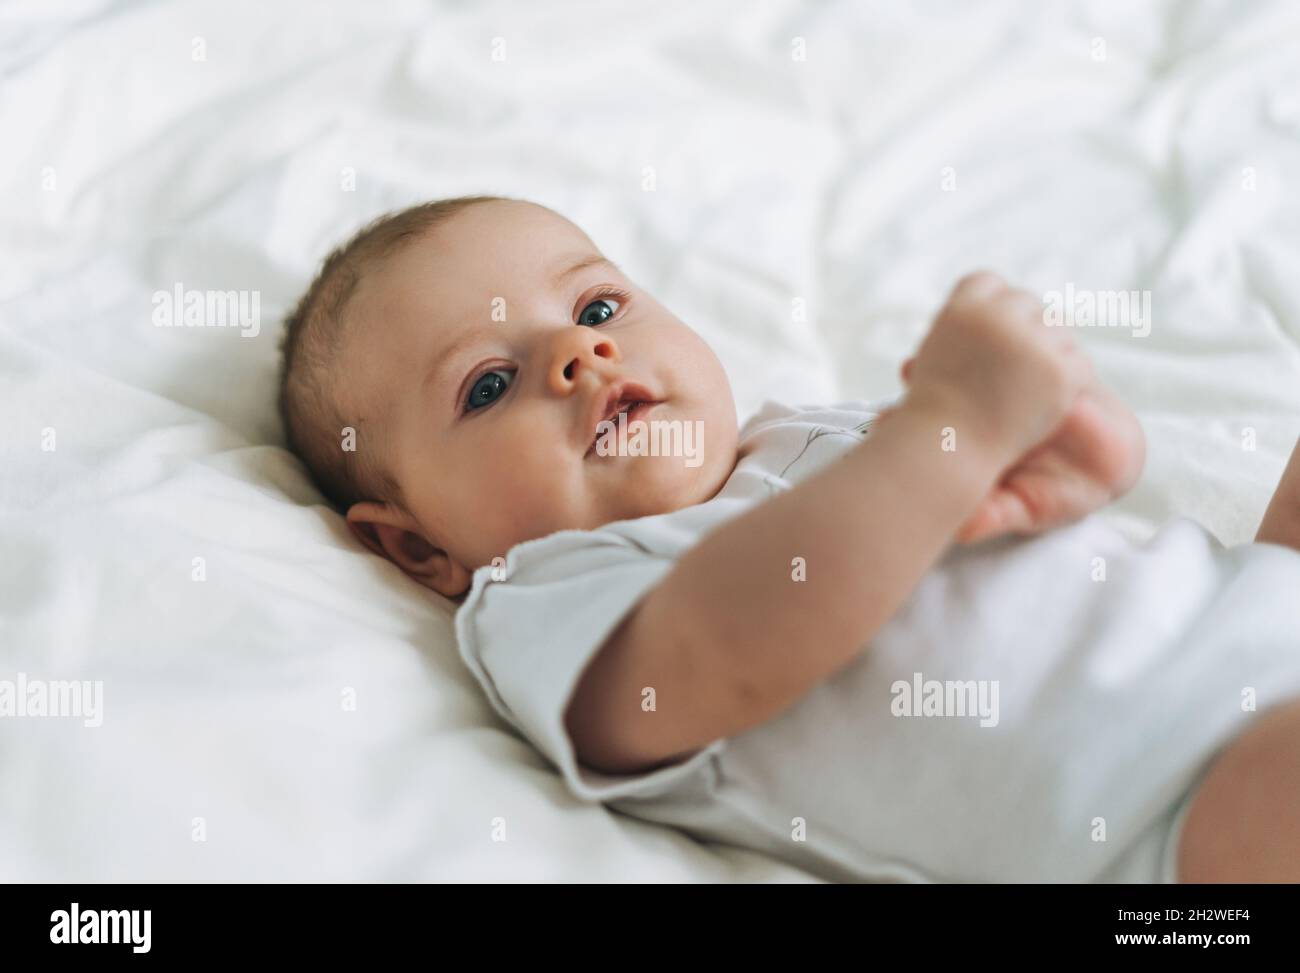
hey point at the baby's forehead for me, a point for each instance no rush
(508, 227)
(477, 258)
(418, 298)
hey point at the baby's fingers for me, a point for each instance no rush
(1003, 511)
(981, 285)
(1078, 369)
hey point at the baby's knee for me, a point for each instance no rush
(1244, 822)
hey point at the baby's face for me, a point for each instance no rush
(492, 346)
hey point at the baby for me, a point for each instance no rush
(882, 644)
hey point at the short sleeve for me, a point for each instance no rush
(528, 632)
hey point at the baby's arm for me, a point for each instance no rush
(729, 640)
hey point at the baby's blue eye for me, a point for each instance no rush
(598, 312)
(486, 389)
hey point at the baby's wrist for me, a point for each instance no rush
(959, 428)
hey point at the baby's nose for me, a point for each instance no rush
(576, 350)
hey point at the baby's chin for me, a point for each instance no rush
(651, 485)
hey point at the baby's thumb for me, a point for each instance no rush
(906, 370)
(1080, 370)
(1001, 512)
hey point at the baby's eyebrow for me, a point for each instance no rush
(440, 370)
(591, 260)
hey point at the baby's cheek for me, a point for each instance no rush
(540, 504)
(524, 499)
(527, 486)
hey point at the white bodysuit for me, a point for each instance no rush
(1039, 710)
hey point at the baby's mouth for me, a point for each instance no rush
(625, 413)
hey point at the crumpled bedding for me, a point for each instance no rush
(801, 183)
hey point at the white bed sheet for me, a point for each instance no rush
(1167, 164)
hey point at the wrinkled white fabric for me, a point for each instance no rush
(776, 174)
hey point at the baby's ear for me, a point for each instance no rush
(392, 533)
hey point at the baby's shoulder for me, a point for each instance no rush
(848, 414)
(784, 443)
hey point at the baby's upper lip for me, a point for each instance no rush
(605, 405)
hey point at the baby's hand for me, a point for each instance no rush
(1095, 456)
(990, 362)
